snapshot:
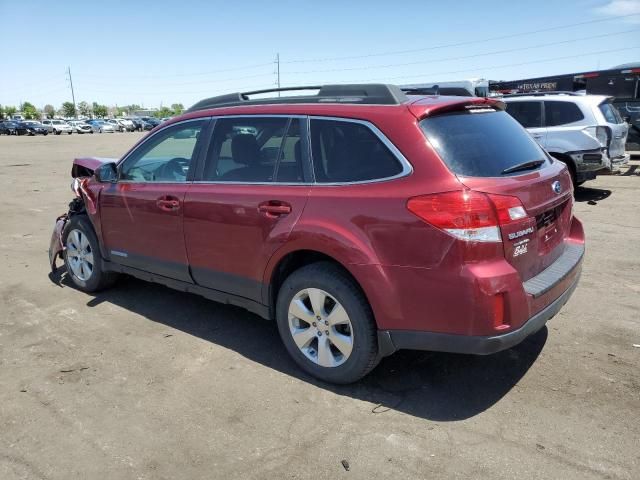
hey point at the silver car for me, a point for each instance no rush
(101, 126)
(57, 127)
(584, 131)
(80, 126)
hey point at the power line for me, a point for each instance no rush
(460, 44)
(220, 80)
(495, 52)
(484, 68)
(211, 72)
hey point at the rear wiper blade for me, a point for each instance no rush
(530, 165)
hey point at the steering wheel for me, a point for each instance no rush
(172, 170)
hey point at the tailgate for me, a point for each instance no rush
(533, 243)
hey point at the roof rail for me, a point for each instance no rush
(365, 94)
(541, 94)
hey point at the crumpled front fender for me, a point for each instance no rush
(55, 245)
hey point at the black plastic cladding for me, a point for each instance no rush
(366, 94)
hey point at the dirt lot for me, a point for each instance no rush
(141, 382)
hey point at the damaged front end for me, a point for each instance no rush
(85, 201)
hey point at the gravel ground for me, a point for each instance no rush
(141, 382)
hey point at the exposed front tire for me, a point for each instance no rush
(326, 324)
(82, 257)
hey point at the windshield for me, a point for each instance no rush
(485, 144)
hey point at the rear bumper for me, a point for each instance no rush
(529, 305)
(392, 340)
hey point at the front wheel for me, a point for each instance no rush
(82, 257)
(326, 324)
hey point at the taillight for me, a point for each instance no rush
(468, 215)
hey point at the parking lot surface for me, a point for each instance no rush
(142, 382)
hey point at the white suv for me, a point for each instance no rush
(584, 131)
(57, 126)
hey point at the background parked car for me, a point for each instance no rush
(12, 128)
(101, 126)
(584, 131)
(117, 127)
(80, 126)
(154, 122)
(57, 126)
(136, 122)
(36, 127)
(127, 124)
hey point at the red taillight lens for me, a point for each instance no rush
(466, 214)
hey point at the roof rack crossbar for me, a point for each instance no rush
(365, 94)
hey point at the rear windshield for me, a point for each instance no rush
(611, 114)
(482, 144)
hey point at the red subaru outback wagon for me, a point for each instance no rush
(362, 219)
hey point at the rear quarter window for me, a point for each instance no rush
(610, 113)
(561, 113)
(481, 144)
(347, 151)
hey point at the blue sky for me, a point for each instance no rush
(153, 52)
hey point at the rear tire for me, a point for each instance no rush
(82, 257)
(338, 343)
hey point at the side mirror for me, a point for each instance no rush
(106, 173)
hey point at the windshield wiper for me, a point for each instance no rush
(530, 165)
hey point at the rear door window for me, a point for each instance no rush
(561, 113)
(528, 114)
(255, 150)
(346, 151)
(611, 114)
(482, 144)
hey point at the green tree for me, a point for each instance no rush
(68, 109)
(177, 108)
(163, 112)
(9, 111)
(131, 108)
(84, 109)
(1, 112)
(29, 110)
(49, 111)
(99, 110)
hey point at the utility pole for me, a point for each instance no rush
(73, 96)
(278, 71)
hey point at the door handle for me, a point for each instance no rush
(168, 203)
(274, 208)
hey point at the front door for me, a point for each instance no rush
(251, 192)
(142, 213)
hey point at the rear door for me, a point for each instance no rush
(252, 188)
(482, 148)
(619, 128)
(529, 114)
(142, 213)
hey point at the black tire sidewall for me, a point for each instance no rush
(345, 292)
(96, 280)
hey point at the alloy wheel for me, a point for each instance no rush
(320, 327)
(79, 255)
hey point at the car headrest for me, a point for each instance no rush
(245, 149)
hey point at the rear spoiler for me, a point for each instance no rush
(427, 107)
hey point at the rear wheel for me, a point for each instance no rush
(82, 256)
(326, 324)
